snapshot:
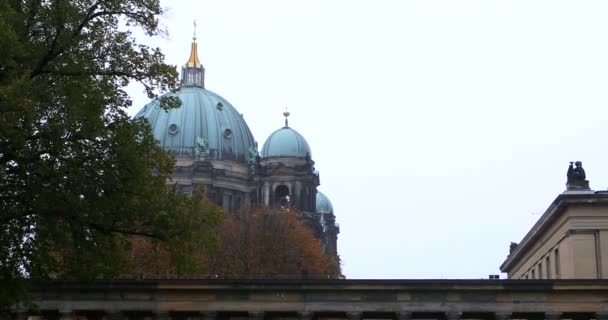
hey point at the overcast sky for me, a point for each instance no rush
(442, 130)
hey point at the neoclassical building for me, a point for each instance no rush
(570, 240)
(215, 149)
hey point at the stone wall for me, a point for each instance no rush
(320, 299)
(570, 241)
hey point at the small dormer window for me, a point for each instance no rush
(219, 106)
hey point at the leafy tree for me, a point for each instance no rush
(256, 243)
(78, 177)
(151, 258)
(269, 243)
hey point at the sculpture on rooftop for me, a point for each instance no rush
(253, 159)
(576, 177)
(202, 148)
(512, 247)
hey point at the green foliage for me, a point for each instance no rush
(78, 177)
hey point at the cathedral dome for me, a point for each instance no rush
(286, 142)
(323, 204)
(205, 124)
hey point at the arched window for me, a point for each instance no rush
(281, 196)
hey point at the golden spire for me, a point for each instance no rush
(194, 61)
(286, 115)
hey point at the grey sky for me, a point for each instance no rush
(441, 129)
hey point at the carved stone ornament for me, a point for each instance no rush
(253, 160)
(202, 148)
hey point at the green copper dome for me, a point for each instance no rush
(205, 124)
(323, 204)
(286, 142)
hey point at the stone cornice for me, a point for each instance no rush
(325, 296)
(323, 284)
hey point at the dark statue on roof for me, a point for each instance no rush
(576, 177)
(512, 247)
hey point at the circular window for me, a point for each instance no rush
(219, 106)
(227, 133)
(173, 128)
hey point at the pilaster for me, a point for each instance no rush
(115, 315)
(257, 315)
(452, 315)
(209, 316)
(266, 193)
(502, 316)
(404, 315)
(354, 315)
(306, 315)
(162, 316)
(67, 315)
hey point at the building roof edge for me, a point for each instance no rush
(558, 206)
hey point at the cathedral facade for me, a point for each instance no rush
(215, 149)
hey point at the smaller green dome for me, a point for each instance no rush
(286, 142)
(323, 204)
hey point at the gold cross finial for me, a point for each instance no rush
(194, 37)
(286, 115)
(194, 61)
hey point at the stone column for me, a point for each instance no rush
(354, 315)
(114, 315)
(266, 193)
(162, 315)
(502, 316)
(452, 315)
(273, 188)
(306, 315)
(306, 199)
(67, 315)
(296, 195)
(209, 316)
(404, 315)
(256, 315)
(291, 195)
